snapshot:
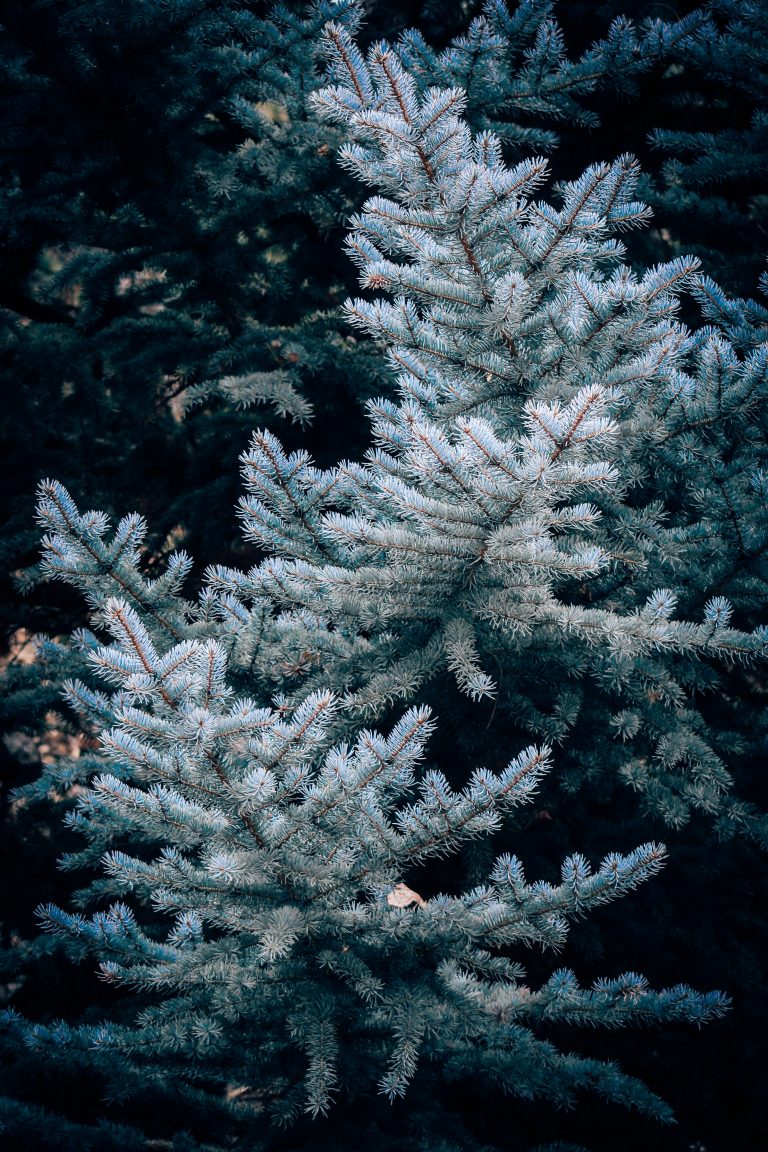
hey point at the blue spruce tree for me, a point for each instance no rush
(512, 514)
(563, 515)
(280, 839)
(509, 513)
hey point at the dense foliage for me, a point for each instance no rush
(511, 624)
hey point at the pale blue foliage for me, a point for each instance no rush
(280, 853)
(555, 510)
(547, 393)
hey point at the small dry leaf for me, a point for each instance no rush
(254, 1097)
(236, 1091)
(402, 896)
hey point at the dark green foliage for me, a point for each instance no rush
(165, 218)
(712, 194)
